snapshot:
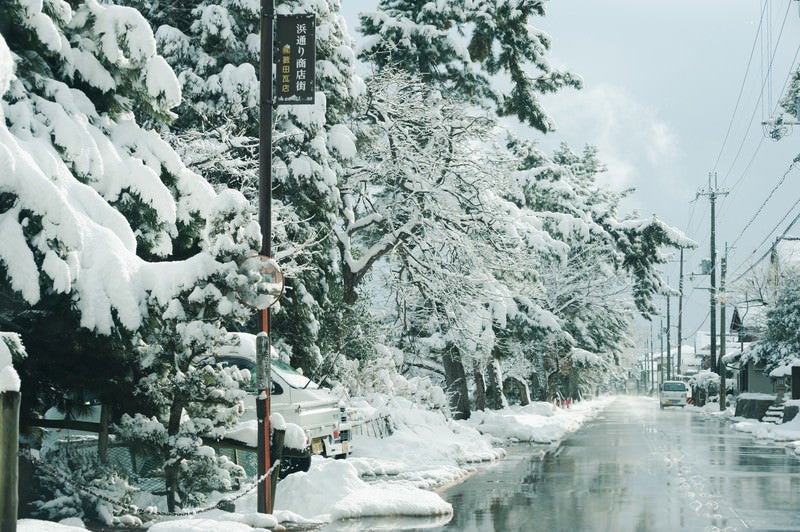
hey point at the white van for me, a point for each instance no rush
(672, 393)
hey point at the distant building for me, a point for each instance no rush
(748, 322)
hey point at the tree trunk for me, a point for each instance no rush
(102, 436)
(524, 394)
(494, 391)
(172, 469)
(9, 461)
(480, 387)
(537, 379)
(350, 283)
(553, 378)
(456, 380)
(514, 387)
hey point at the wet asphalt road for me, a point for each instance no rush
(633, 468)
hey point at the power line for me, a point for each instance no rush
(747, 168)
(750, 163)
(772, 192)
(761, 140)
(768, 74)
(760, 96)
(764, 241)
(699, 221)
(741, 89)
(691, 215)
(777, 126)
(699, 326)
(765, 255)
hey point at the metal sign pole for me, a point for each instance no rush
(297, 36)
(265, 219)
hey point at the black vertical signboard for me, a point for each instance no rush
(296, 54)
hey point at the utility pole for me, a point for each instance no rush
(680, 314)
(722, 326)
(661, 355)
(669, 349)
(713, 194)
(646, 366)
(652, 355)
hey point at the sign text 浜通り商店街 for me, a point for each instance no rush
(296, 46)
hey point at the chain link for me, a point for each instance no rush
(133, 509)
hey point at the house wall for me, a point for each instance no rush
(757, 382)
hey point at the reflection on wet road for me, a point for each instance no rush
(636, 467)
(633, 468)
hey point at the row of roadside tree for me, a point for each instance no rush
(416, 230)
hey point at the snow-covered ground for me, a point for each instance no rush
(397, 475)
(786, 433)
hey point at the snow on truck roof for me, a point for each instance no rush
(243, 345)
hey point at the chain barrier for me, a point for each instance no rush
(152, 511)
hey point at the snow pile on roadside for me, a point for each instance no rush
(789, 432)
(219, 521)
(425, 449)
(333, 490)
(537, 422)
(36, 525)
(391, 476)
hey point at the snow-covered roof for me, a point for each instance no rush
(703, 339)
(785, 370)
(752, 315)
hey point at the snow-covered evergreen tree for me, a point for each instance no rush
(214, 47)
(779, 345)
(312, 145)
(788, 107)
(610, 271)
(115, 256)
(428, 38)
(420, 204)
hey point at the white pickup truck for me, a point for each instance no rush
(297, 398)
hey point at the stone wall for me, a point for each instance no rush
(753, 408)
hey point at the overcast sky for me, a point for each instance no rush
(661, 84)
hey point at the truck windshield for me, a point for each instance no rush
(674, 387)
(291, 375)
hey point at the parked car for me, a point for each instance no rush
(297, 398)
(672, 393)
